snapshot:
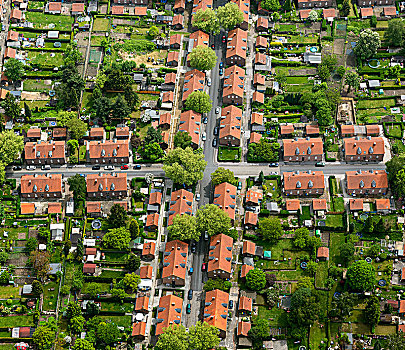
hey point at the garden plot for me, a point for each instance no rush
(45, 59)
(54, 22)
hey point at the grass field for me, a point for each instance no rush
(101, 25)
(120, 321)
(9, 292)
(16, 321)
(42, 21)
(35, 85)
(47, 59)
(375, 103)
(96, 40)
(334, 221)
(231, 154)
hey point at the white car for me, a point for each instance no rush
(208, 82)
(204, 136)
(217, 110)
(109, 167)
(31, 167)
(197, 197)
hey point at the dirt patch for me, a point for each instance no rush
(156, 55)
(82, 39)
(103, 9)
(299, 72)
(34, 96)
(339, 46)
(18, 259)
(32, 233)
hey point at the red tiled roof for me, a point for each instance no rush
(255, 137)
(44, 150)
(245, 269)
(312, 146)
(257, 118)
(108, 149)
(319, 204)
(259, 79)
(117, 10)
(149, 248)
(253, 196)
(312, 129)
(360, 146)
(356, 204)
(78, 7)
(10, 52)
(200, 38)
(244, 328)
(181, 202)
(366, 11)
(41, 183)
(54, 208)
(96, 132)
(216, 308)
(193, 80)
(234, 77)
(230, 122)
(390, 11)
(190, 122)
(260, 58)
(178, 19)
(179, 4)
(175, 259)
(169, 311)
(201, 4)
(372, 129)
(248, 247)
(347, 129)
(322, 252)
(382, 204)
(304, 13)
(122, 131)
(142, 303)
(225, 198)
(366, 179)
(262, 22)
(55, 6)
(91, 251)
(145, 272)
(89, 268)
(155, 198)
(258, 97)
(170, 78)
(34, 132)
(328, 13)
(93, 207)
(236, 43)
(25, 332)
(27, 208)
(165, 118)
(175, 39)
(139, 329)
(168, 96)
(220, 256)
(251, 218)
(286, 129)
(59, 132)
(304, 180)
(152, 220)
(292, 204)
(122, 204)
(106, 182)
(15, 13)
(12, 35)
(245, 304)
(244, 6)
(173, 56)
(140, 10)
(402, 306)
(261, 41)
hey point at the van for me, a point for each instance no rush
(46, 167)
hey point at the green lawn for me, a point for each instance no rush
(115, 306)
(46, 59)
(112, 274)
(230, 154)
(317, 334)
(101, 25)
(115, 256)
(306, 212)
(50, 296)
(277, 317)
(338, 204)
(286, 27)
(336, 239)
(321, 274)
(97, 40)
(34, 5)
(42, 21)
(394, 130)
(36, 85)
(335, 221)
(120, 321)
(375, 103)
(16, 321)
(7, 292)
(297, 80)
(272, 187)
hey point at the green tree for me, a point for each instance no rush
(395, 341)
(305, 307)
(313, 16)
(72, 55)
(287, 6)
(203, 57)
(76, 324)
(117, 238)
(301, 236)
(11, 147)
(134, 228)
(217, 283)
(222, 175)
(77, 184)
(73, 310)
(184, 166)
(117, 293)
(372, 311)
(395, 178)
(264, 150)
(182, 139)
(346, 252)
(120, 109)
(260, 330)
(151, 151)
(367, 44)
(198, 101)
(256, 279)
(206, 20)
(131, 97)
(153, 32)
(213, 220)
(342, 306)
(153, 135)
(83, 344)
(394, 35)
(73, 145)
(203, 336)
(270, 228)
(352, 79)
(40, 263)
(14, 69)
(131, 281)
(107, 333)
(281, 78)
(43, 337)
(361, 276)
(77, 128)
(102, 107)
(311, 267)
(69, 90)
(271, 5)
(37, 288)
(173, 337)
(93, 289)
(117, 217)
(229, 15)
(323, 72)
(133, 262)
(184, 228)
(11, 106)
(341, 70)
(27, 112)
(31, 244)
(345, 10)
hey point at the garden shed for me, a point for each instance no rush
(267, 254)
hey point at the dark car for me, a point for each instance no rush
(230, 306)
(221, 64)
(193, 247)
(137, 167)
(320, 164)
(223, 38)
(17, 167)
(214, 143)
(205, 120)
(251, 209)
(216, 131)
(188, 309)
(221, 71)
(190, 294)
(96, 167)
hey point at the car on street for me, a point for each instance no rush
(320, 164)
(17, 167)
(46, 167)
(213, 46)
(96, 167)
(221, 64)
(221, 71)
(223, 38)
(109, 167)
(3, 27)
(204, 267)
(216, 129)
(230, 306)
(204, 136)
(239, 186)
(124, 167)
(250, 209)
(272, 165)
(137, 167)
(214, 142)
(191, 271)
(188, 309)
(193, 247)
(208, 81)
(197, 197)
(217, 110)
(205, 120)
(190, 294)
(31, 167)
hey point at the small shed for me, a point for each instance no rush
(267, 254)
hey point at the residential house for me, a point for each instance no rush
(53, 8)
(259, 82)
(253, 197)
(312, 130)
(373, 130)
(216, 310)
(225, 198)
(175, 41)
(139, 330)
(27, 208)
(131, 2)
(96, 133)
(148, 250)
(198, 38)
(146, 272)
(229, 127)
(356, 204)
(244, 270)
(181, 202)
(236, 47)
(383, 205)
(249, 248)
(303, 4)
(245, 305)
(303, 150)
(142, 304)
(10, 52)
(319, 204)
(370, 149)
(262, 24)
(106, 186)
(242, 331)
(255, 137)
(244, 6)
(303, 183)
(174, 263)
(77, 9)
(122, 133)
(164, 121)
(178, 22)
(367, 182)
(170, 80)
(329, 14)
(347, 130)
(33, 134)
(286, 131)
(54, 208)
(292, 205)
(59, 134)
(16, 16)
(201, 4)
(108, 152)
(172, 59)
(89, 268)
(168, 312)
(251, 220)
(256, 119)
(366, 12)
(193, 81)
(322, 253)
(220, 257)
(258, 97)
(179, 6)
(93, 209)
(45, 152)
(232, 93)
(41, 186)
(190, 122)
(261, 43)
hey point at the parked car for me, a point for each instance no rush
(206, 236)
(250, 209)
(109, 167)
(197, 197)
(205, 120)
(204, 136)
(230, 306)
(204, 267)
(213, 46)
(188, 309)
(208, 81)
(214, 142)
(96, 167)
(31, 167)
(320, 164)
(221, 64)
(191, 271)
(17, 167)
(124, 167)
(137, 167)
(46, 167)
(216, 129)
(190, 294)
(223, 38)
(273, 165)
(239, 185)
(221, 71)
(193, 247)
(3, 27)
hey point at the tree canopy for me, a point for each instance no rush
(270, 228)
(182, 139)
(77, 184)
(118, 216)
(222, 175)
(11, 147)
(117, 238)
(184, 228)
(131, 280)
(394, 34)
(367, 44)
(14, 69)
(372, 311)
(77, 128)
(396, 176)
(352, 79)
(361, 276)
(206, 20)
(229, 15)
(199, 101)
(202, 58)
(83, 344)
(184, 166)
(256, 279)
(43, 337)
(213, 220)
(305, 307)
(271, 5)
